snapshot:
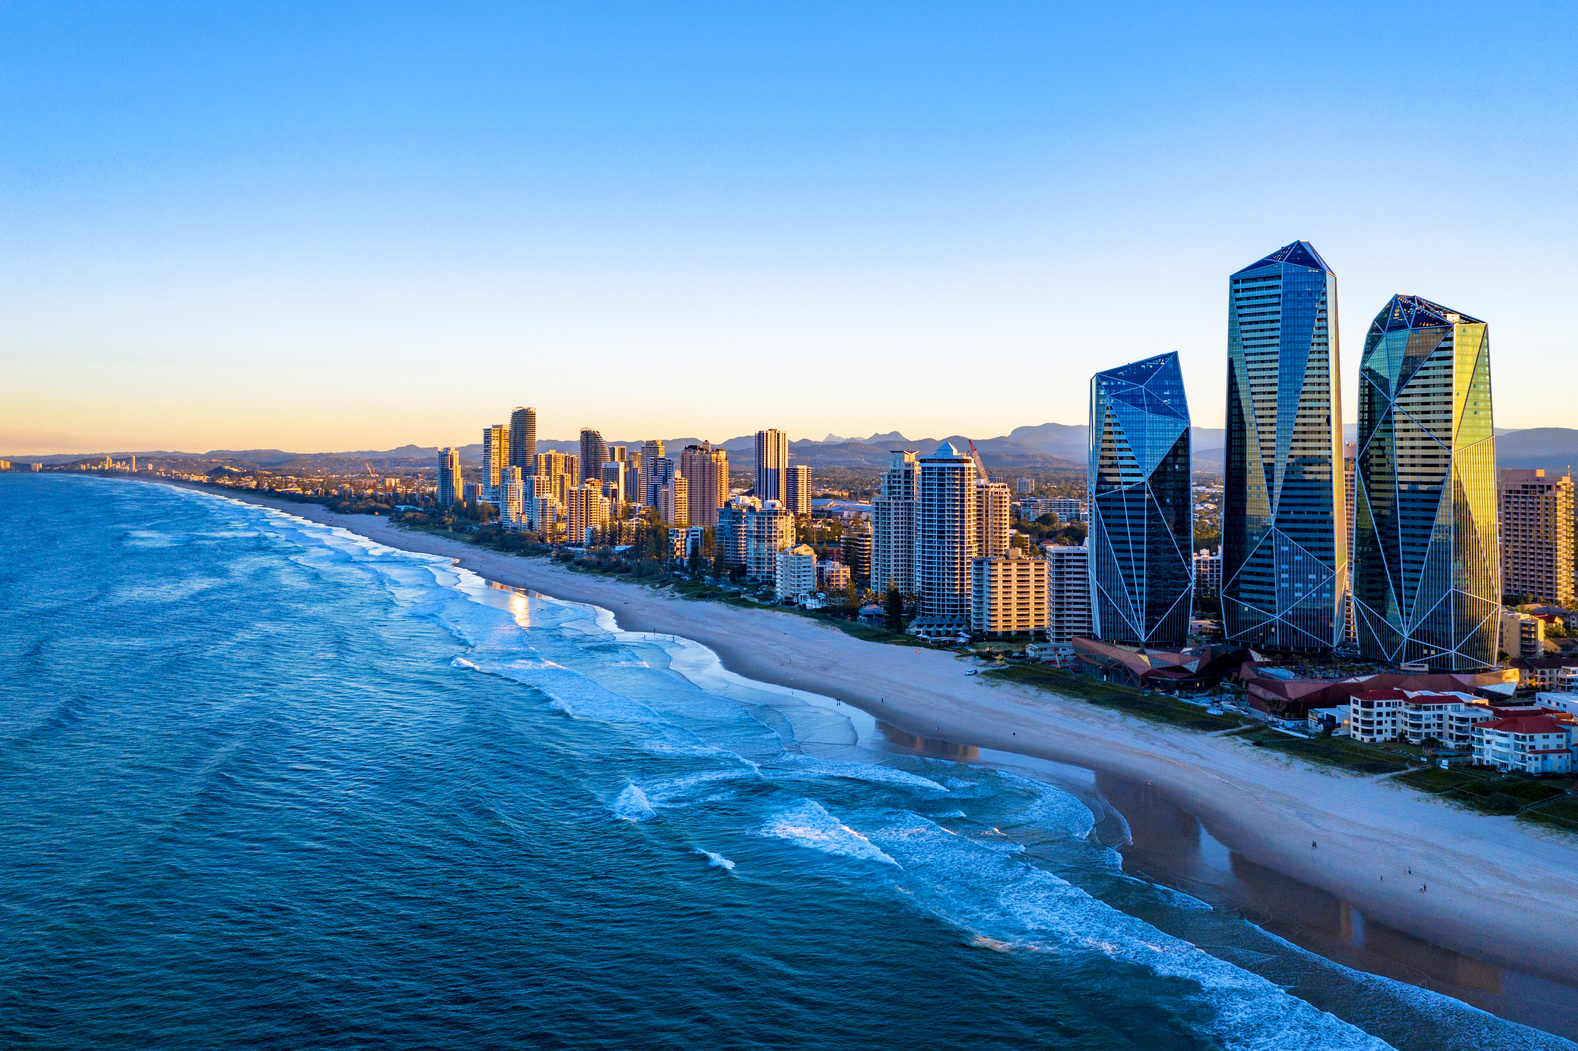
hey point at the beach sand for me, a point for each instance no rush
(1490, 888)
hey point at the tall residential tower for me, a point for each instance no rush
(523, 438)
(1284, 545)
(1427, 560)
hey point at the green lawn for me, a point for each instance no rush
(1341, 752)
(1157, 708)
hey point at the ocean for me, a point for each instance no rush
(264, 783)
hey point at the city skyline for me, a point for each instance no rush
(212, 246)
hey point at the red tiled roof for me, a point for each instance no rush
(1527, 724)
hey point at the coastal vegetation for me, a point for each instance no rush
(1154, 707)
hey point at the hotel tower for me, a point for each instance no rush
(1141, 510)
(1284, 548)
(1427, 564)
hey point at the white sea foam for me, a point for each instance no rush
(632, 804)
(717, 861)
(808, 824)
(794, 764)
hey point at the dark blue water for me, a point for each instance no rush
(263, 784)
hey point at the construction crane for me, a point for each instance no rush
(976, 456)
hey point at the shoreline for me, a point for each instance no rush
(1489, 880)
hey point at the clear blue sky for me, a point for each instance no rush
(338, 226)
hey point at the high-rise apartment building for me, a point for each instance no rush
(1284, 553)
(707, 471)
(945, 536)
(1141, 504)
(1350, 472)
(1068, 593)
(1427, 561)
(495, 453)
(769, 529)
(613, 481)
(994, 513)
(651, 453)
(673, 502)
(594, 453)
(797, 488)
(523, 438)
(894, 512)
(857, 554)
(772, 457)
(730, 535)
(585, 509)
(1008, 594)
(1537, 536)
(1207, 572)
(449, 477)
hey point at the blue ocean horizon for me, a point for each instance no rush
(269, 784)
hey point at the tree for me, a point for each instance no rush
(852, 598)
(895, 609)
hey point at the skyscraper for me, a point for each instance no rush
(772, 456)
(893, 517)
(797, 488)
(945, 537)
(594, 453)
(449, 477)
(1537, 536)
(1427, 561)
(993, 512)
(651, 454)
(707, 470)
(523, 438)
(1141, 510)
(1068, 593)
(1284, 549)
(495, 453)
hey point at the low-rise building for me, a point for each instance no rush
(1522, 635)
(1057, 654)
(834, 576)
(1530, 744)
(1542, 673)
(1334, 720)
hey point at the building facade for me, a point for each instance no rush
(794, 573)
(449, 477)
(1141, 504)
(857, 554)
(994, 514)
(651, 453)
(894, 512)
(523, 438)
(1068, 593)
(1008, 594)
(730, 535)
(1284, 552)
(673, 501)
(707, 471)
(797, 488)
(594, 453)
(769, 529)
(1208, 572)
(1427, 561)
(1537, 537)
(495, 454)
(772, 458)
(945, 536)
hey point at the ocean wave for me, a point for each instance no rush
(808, 824)
(791, 764)
(717, 861)
(631, 804)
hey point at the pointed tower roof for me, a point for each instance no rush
(1414, 312)
(1299, 253)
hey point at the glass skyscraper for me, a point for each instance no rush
(1141, 510)
(1427, 564)
(1284, 554)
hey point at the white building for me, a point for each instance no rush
(1208, 572)
(834, 576)
(768, 530)
(1068, 592)
(1522, 635)
(794, 573)
(1532, 744)
(894, 513)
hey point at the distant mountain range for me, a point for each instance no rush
(1048, 446)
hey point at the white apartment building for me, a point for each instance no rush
(586, 509)
(794, 573)
(673, 501)
(1008, 594)
(768, 530)
(1416, 717)
(1068, 592)
(1531, 744)
(894, 512)
(1522, 635)
(1208, 572)
(834, 576)
(946, 540)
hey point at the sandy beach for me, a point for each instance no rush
(1488, 887)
